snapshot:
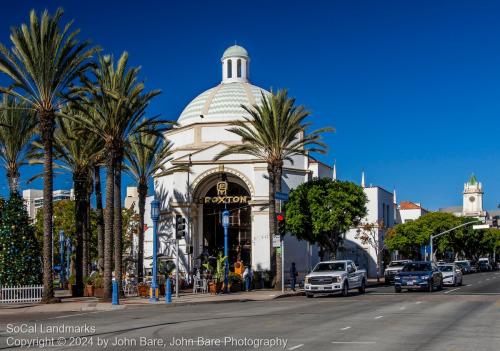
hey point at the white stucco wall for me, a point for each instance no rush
(378, 199)
(411, 214)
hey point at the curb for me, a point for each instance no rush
(282, 296)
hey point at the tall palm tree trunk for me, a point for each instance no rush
(80, 210)
(143, 191)
(277, 187)
(47, 131)
(117, 222)
(88, 230)
(272, 221)
(13, 180)
(85, 233)
(108, 227)
(99, 220)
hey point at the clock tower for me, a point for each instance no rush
(473, 198)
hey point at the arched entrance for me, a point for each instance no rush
(224, 191)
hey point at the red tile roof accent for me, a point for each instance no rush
(408, 205)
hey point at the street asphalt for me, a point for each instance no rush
(456, 318)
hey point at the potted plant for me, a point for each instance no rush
(98, 285)
(215, 285)
(234, 282)
(143, 290)
(88, 289)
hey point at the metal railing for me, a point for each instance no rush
(130, 290)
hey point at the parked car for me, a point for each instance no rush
(419, 275)
(393, 268)
(465, 266)
(335, 276)
(483, 265)
(452, 275)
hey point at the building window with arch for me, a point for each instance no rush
(229, 69)
(238, 69)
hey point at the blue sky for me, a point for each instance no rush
(411, 87)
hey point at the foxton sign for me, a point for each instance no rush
(223, 198)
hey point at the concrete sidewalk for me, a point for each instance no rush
(90, 304)
(186, 297)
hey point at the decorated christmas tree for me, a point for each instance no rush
(20, 254)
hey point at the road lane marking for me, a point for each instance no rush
(296, 347)
(402, 307)
(418, 302)
(76, 314)
(488, 279)
(378, 317)
(345, 328)
(449, 291)
(480, 281)
(354, 342)
(469, 285)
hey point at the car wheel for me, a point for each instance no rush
(430, 288)
(309, 295)
(362, 288)
(455, 282)
(345, 290)
(461, 281)
(440, 287)
(397, 289)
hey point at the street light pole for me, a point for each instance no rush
(225, 225)
(431, 257)
(155, 214)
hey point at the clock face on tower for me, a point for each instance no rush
(472, 199)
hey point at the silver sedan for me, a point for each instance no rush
(452, 274)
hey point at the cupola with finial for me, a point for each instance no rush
(235, 65)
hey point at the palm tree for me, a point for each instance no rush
(17, 127)
(119, 101)
(78, 155)
(99, 219)
(146, 157)
(274, 132)
(42, 64)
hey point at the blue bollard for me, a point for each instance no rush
(114, 297)
(168, 291)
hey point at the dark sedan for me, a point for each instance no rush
(419, 275)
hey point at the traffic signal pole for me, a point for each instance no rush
(177, 268)
(180, 232)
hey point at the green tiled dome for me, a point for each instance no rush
(235, 50)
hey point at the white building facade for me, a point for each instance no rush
(33, 199)
(381, 216)
(237, 182)
(410, 211)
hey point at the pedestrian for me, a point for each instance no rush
(293, 276)
(247, 276)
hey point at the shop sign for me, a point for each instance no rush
(223, 198)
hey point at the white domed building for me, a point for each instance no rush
(241, 180)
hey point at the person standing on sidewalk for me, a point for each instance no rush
(247, 276)
(293, 276)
